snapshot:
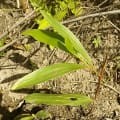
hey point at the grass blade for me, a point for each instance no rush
(47, 37)
(58, 99)
(70, 38)
(45, 74)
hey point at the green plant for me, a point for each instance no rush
(97, 41)
(65, 40)
(2, 43)
(58, 8)
(40, 115)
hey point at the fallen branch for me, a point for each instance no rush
(108, 86)
(92, 15)
(9, 44)
(17, 24)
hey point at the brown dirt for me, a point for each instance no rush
(107, 105)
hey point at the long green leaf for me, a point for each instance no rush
(58, 99)
(45, 74)
(47, 37)
(24, 117)
(70, 38)
(43, 114)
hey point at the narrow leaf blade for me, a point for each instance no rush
(78, 50)
(58, 99)
(43, 114)
(45, 74)
(47, 37)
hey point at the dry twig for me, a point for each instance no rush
(92, 15)
(117, 28)
(108, 86)
(9, 44)
(17, 24)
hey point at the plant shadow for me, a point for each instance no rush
(14, 77)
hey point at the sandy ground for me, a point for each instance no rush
(107, 105)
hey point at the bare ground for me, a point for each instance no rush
(107, 105)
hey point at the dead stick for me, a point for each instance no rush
(9, 44)
(17, 24)
(108, 86)
(92, 15)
